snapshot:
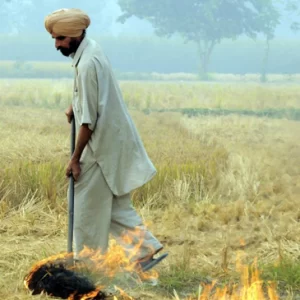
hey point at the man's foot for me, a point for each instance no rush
(148, 263)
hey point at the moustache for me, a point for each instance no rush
(64, 51)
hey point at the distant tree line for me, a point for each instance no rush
(152, 54)
(208, 22)
(205, 23)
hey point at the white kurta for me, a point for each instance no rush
(113, 163)
(115, 143)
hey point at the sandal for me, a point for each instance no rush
(146, 265)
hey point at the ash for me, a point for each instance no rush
(56, 280)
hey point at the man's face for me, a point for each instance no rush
(66, 45)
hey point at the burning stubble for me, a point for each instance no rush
(56, 280)
(60, 276)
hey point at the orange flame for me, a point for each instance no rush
(88, 296)
(62, 256)
(250, 288)
(117, 259)
(124, 295)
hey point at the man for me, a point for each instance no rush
(109, 160)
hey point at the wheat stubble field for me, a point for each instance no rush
(228, 184)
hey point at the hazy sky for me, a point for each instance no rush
(28, 15)
(23, 18)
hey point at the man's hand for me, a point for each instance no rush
(73, 169)
(83, 137)
(69, 113)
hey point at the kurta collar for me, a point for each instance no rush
(79, 51)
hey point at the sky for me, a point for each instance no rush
(21, 16)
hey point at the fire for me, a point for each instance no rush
(120, 257)
(59, 257)
(121, 260)
(251, 287)
(51, 274)
(92, 295)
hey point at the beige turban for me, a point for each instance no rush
(67, 22)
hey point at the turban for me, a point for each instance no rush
(67, 22)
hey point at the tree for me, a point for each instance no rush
(205, 22)
(292, 8)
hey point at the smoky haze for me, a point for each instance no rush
(134, 47)
(26, 16)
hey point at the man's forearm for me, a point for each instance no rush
(83, 137)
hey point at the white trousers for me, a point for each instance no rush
(97, 213)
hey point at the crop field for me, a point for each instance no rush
(227, 188)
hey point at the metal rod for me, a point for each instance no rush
(71, 193)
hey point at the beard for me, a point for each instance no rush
(73, 46)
